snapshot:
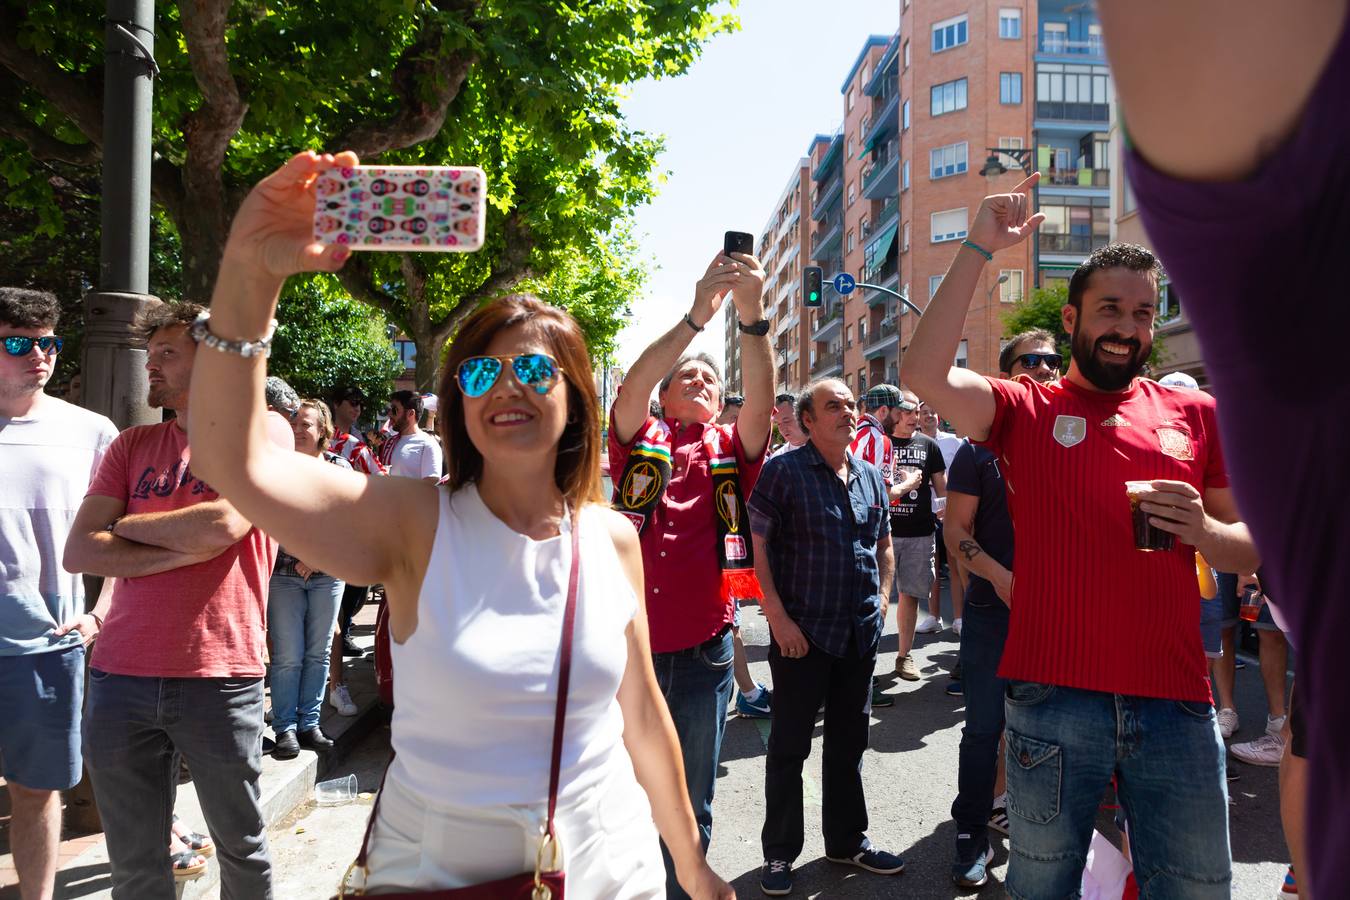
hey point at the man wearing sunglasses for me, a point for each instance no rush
(979, 536)
(683, 481)
(49, 450)
(410, 452)
(1105, 665)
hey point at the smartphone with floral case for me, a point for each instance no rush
(432, 208)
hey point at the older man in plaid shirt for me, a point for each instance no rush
(819, 518)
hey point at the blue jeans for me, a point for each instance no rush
(984, 631)
(132, 728)
(1065, 744)
(301, 613)
(697, 686)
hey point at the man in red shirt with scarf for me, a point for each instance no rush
(683, 481)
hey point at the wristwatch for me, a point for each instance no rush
(759, 329)
(688, 320)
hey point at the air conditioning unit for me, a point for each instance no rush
(889, 320)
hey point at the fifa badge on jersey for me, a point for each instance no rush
(1176, 443)
(1070, 430)
(735, 547)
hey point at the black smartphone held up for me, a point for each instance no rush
(738, 242)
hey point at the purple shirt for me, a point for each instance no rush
(1261, 265)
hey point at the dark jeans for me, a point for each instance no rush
(844, 684)
(985, 628)
(353, 598)
(697, 686)
(132, 727)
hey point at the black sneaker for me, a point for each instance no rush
(873, 860)
(315, 739)
(287, 747)
(349, 647)
(879, 696)
(775, 878)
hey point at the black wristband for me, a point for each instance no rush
(688, 320)
(758, 329)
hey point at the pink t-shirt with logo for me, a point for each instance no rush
(207, 620)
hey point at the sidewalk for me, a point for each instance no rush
(286, 785)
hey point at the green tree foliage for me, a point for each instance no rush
(1042, 309)
(527, 89)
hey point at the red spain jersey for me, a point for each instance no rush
(872, 444)
(1088, 610)
(357, 452)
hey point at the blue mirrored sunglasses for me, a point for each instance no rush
(478, 374)
(17, 345)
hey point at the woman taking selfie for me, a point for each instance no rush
(478, 573)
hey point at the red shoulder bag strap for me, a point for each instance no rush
(559, 715)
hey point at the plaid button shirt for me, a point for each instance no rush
(822, 539)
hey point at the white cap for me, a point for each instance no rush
(1179, 379)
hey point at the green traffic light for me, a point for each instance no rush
(814, 295)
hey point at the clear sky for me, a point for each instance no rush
(735, 127)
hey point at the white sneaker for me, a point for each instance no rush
(1275, 725)
(930, 625)
(956, 627)
(1228, 722)
(1264, 751)
(341, 699)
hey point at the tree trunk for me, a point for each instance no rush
(430, 348)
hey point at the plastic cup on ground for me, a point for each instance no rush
(335, 791)
(1146, 537)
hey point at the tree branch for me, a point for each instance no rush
(42, 145)
(360, 282)
(509, 269)
(68, 93)
(426, 79)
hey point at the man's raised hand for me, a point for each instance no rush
(1006, 219)
(718, 281)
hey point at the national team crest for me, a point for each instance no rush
(1175, 443)
(1070, 430)
(728, 507)
(641, 485)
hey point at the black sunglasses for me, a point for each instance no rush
(17, 345)
(1034, 360)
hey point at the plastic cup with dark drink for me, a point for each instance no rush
(1146, 536)
(1250, 608)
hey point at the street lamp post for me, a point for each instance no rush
(993, 167)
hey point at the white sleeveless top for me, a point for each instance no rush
(475, 686)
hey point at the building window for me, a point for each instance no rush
(904, 238)
(948, 160)
(904, 175)
(1095, 40)
(850, 243)
(907, 50)
(934, 282)
(862, 380)
(949, 33)
(1010, 24)
(1169, 303)
(949, 225)
(848, 336)
(848, 147)
(904, 116)
(407, 353)
(948, 97)
(1128, 203)
(851, 98)
(864, 227)
(962, 360)
(862, 330)
(1055, 37)
(1010, 88)
(1010, 291)
(852, 193)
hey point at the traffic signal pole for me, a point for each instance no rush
(896, 294)
(113, 367)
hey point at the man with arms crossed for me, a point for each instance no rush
(179, 663)
(821, 521)
(1106, 669)
(979, 536)
(683, 481)
(49, 450)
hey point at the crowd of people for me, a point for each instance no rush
(1080, 511)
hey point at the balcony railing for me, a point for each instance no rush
(1072, 112)
(888, 268)
(880, 334)
(827, 362)
(1100, 178)
(1071, 243)
(826, 196)
(826, 235)
(825, 321)
(1052, 43)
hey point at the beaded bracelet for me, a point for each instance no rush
(978, 249)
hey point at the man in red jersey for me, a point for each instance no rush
(1104, 658)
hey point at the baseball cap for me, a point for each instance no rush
(883, 395)
(1179, 379)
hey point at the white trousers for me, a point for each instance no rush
(609, 843)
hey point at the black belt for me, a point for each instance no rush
(699, 648)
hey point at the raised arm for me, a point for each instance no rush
(964, 397)
(757, 369)
(94, 550)
(203, 528)
(630, 409)
(389, 521)
(1210, 113)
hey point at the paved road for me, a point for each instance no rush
(910, 776)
